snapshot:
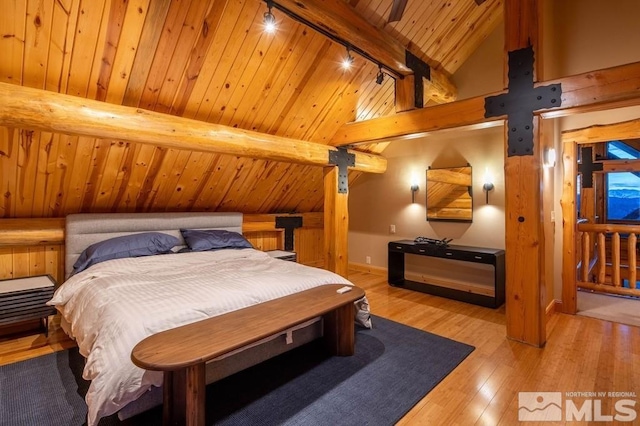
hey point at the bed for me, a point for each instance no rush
(113, 304)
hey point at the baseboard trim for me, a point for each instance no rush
(361, 267)
(554, 306)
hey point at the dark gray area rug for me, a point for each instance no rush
(393, 368)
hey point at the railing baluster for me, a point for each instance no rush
(585, 256)
(631, 249)
(602, 257)
(618, 267)
(615, 258)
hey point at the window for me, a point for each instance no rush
(622, 188)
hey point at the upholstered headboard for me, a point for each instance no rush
(85, 229)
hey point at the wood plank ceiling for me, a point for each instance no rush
(203, 59)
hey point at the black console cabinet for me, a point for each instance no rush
(397, 250)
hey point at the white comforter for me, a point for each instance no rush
(115, 304)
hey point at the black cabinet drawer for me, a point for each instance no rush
(399, 247)
(423, 250)
(470, 256)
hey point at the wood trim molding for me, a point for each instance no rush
(554, 306)
(28, 108)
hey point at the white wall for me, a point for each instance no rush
(578, 36)
(377, 201)
(586, 35)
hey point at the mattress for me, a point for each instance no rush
(112, 306)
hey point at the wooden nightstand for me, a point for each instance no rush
(24, 299)
(283, 255)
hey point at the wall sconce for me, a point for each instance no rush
(414, 189)
(488, 184)
(549, 159)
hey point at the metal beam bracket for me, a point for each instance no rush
(420, 69)
(522, 99)
(586, 166)
(343, 159)
(288, 223)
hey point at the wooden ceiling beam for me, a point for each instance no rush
(29, 108)
(590, 91)
(603, 132)
(340, 20)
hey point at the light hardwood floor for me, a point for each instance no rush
(581, 355)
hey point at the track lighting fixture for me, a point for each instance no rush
(269, 20)
(380, 76)
(269, 24)
(348, 60)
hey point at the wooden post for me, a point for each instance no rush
(336, 224)
(569, 220)
(405, 94)
(525, 310)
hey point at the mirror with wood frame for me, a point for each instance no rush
(449, 195)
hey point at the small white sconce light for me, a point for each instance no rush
(549, 159)
(488, 184)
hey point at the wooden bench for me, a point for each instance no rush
(181, 353)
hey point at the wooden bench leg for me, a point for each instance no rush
(339, 334)
(184, 394)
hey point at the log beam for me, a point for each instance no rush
(31, 232)
(341, 20)
(591, 91)
(29, 108)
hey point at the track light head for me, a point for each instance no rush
(380, 76)
(347, 62)
(269, 20)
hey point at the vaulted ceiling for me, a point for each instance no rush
(208, 60)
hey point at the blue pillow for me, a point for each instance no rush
(135, 245)
(213, 239)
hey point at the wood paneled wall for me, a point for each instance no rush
(31, 247)
(28, 261)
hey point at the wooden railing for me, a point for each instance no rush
(607, 257)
